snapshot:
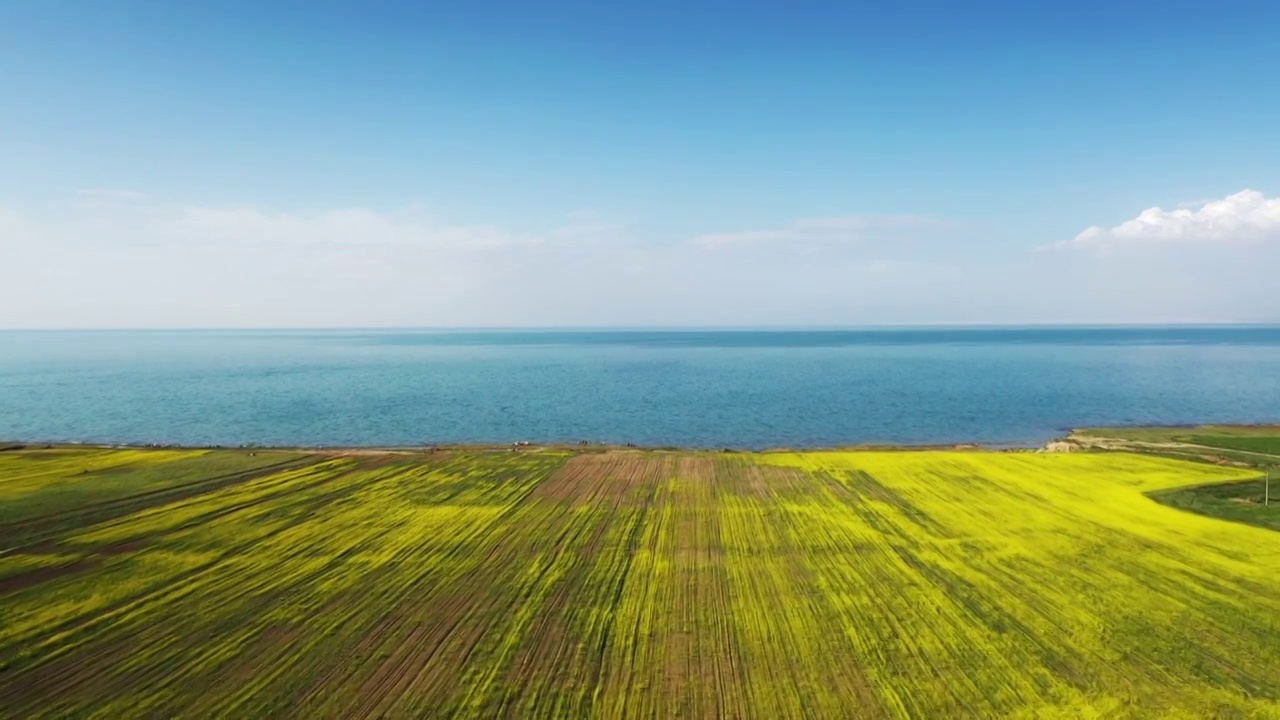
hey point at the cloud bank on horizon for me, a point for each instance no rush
(121, 258)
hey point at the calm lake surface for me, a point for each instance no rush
(744, 389)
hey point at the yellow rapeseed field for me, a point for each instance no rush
(173, 583)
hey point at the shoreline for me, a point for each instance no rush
(522, 446)
(1083, 439)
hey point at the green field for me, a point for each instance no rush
(1254, 444)
(189, 583)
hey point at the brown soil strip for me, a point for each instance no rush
(603, 477)
(31, 578)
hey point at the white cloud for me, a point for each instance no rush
(1247, 216)
(351, 226)
(126, 218)
(96, 196)
(811, 231)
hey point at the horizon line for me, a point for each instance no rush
(664, 328)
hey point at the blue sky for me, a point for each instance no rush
(384, 163)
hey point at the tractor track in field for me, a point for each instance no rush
(107, 510)
(86, 621)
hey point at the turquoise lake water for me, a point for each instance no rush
(742, 389)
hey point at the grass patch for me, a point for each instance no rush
(1269, 444)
